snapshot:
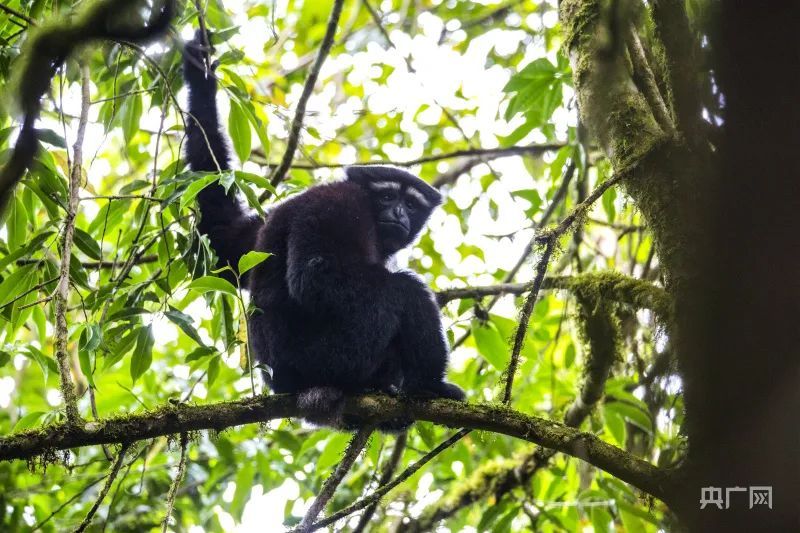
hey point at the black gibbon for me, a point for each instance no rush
(331, 318)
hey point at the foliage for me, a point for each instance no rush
(150, 322)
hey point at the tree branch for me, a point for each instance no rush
(612, 285)
(493, 153)
(647, 81)
(386, 477)
(371, 408)
(62, 290)
(525, 317)
(104, 491)
(176, 483)
(354, 449)
(680, 47)
(496, 478)
(18, 14)
(46, 53)
(297, 123)
(376, 496)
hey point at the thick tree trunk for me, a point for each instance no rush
(740, 347)
(727, 238)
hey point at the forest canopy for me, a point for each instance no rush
(559, 134)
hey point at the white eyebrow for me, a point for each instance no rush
(384, 185)
(419, 196)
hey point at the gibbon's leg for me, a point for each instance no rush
(422, 346)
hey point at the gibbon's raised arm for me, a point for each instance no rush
(231, 228)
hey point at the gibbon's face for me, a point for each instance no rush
(401, 203)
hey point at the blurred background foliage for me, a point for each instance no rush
(405, 79)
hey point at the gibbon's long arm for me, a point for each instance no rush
(230, 228)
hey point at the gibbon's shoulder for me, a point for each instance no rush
(340, 196)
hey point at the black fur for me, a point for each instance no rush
(332, 319)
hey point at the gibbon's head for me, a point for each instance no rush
(401, 203)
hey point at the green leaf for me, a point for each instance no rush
(17, 224)
(244, 484)
(142, 354)
(632, 413)
(491, 344)
(332, 452)
(251, 259)
(195, 187)
(608, 204)
(87, 244)
(531, 196)
(239, 130)
(213, 370)
(131, 114)
(213, 283)
(538, 89)
(185, 322)
(50, 137)
(28, 421)
(46, 364)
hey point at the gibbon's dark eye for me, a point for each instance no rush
(411, 204)
(387, 197)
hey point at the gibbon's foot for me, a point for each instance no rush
(442, 389)
(389, 390)
(322, 405)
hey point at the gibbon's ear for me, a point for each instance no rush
(364, 174)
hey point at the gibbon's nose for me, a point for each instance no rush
(400, 214)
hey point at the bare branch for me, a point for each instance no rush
(488, 153)
(376, 496)
(176, 483)
(62, 290)
(297, 123)
(525, 317)
(352, 452)
(386, 476)
(104, 491)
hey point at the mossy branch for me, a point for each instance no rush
(600, 330)
(371, 408)
(681, 50)
(614, 286)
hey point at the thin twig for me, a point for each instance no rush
(297, 123)
(176, 483)
(485, 153)
(109, 481)
(386, 476)
(92, 264)
(352, 452)
(29, 291)
(558, 198)
(579, 210)
(62, 290)
(525, 316)
(382, 491)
